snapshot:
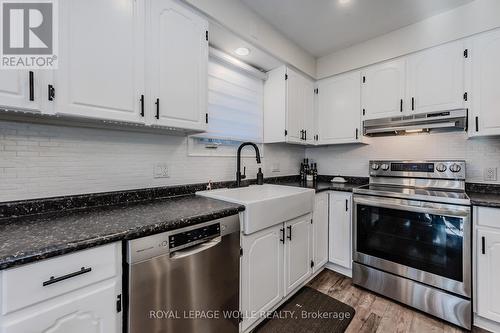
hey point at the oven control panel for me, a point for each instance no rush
(449, 169)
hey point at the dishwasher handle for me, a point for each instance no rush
(192, 250)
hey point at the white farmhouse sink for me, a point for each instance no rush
(266, 205)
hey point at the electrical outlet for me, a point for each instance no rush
(276, 167)
(161, 170)
(490, 174)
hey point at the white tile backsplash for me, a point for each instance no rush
(43, 161)
(352, 159)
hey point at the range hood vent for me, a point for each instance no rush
(454, 120)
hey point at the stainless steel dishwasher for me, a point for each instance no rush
(186, 280)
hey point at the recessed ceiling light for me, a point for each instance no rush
(242, 51)
(344, 2)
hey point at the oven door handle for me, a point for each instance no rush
(453, 211)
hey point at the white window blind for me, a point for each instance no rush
(235, 104)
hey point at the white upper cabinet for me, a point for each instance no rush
(101, 65)
(383, 89)
(300, 107)
(21, 89)
(435, 79)
(178, 66)
(485, 94)
(288, 107)
(339, 109)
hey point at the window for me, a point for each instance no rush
(235, 110)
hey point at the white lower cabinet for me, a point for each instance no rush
(487, 268)
(276, 261)
(320, 231)
(340, 231)
(78, 293)
(92, 310)
(298, 264)
(261, 272)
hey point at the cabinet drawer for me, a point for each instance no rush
(88, 310)
(487, 216)
(33, 283)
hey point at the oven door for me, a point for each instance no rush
(423, 241)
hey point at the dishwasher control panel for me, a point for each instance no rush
(164, 243)
(195, 235)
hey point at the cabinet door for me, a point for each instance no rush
(261, 271)
(85, 311)
(101, 65)
(21, 89)
(340, 229)
(309, 125)
(297, 252)
(178, 71)
(299, 103)
(488, 274)
(485, 94)
(436, 79)
(320, 230)
(339, 109)
(383, 89)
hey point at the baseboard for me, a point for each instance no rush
(486, 324)
(339, 269)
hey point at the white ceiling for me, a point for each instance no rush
(226, 41)
(324, 26)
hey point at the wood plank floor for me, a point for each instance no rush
(375, 313)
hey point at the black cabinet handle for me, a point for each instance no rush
(356, 133)
(477, 124)
(157, 108)
(483, 245)
(289, 232)
(142, 105)
(413, 103)
(51, 92)
(282, 239)
(305, 135)
(53, 279)
(31, 85)
(401, 105)
(346, 205)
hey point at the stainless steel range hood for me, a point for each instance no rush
(454, 120)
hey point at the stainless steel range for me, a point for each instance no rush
(412, 236)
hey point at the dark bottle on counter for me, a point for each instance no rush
(260, 177)
(302, 173)
(314, 171)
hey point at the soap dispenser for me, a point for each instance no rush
(260, 177)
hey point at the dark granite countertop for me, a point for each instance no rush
(484, 199)
(30, 238)
(321, 186)
(324, 183)
(487, 195)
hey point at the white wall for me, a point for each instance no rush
(237, 17)
(472, 18)
(43, 161)
(352, 159)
